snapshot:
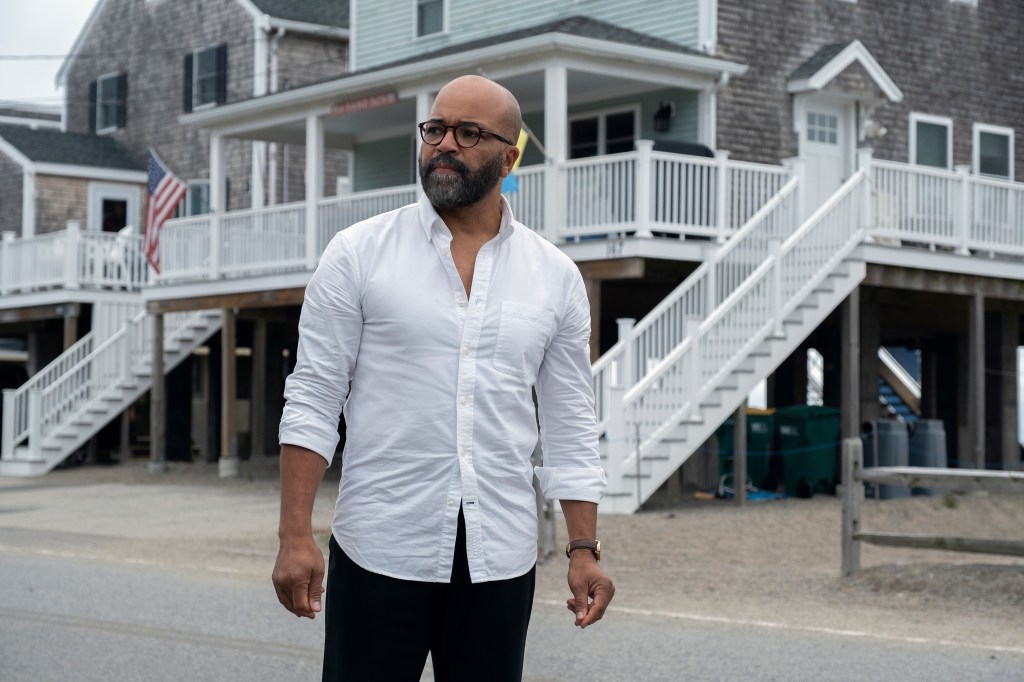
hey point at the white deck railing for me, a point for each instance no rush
(338, 213)
(951, 210)
(72, 259)
(528, 201)
(724, 271)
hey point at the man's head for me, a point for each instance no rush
(463, 168)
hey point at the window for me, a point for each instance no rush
(205, 77)
(822, 128)
(429, 17)
(931, 141)
(110, 102)
(993, 151)
(609, 132)
(197, 199)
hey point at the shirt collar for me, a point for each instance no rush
(432, 223)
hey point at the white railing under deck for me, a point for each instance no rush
(668, 324)
(950, 210)
(673, 389)
(71, 259)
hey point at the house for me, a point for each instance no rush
(854, 191)
(73, 195)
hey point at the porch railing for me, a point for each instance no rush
(951, 210)
(338, 213)
(71, 259)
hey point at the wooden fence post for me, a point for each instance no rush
(853, 502)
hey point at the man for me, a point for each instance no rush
(431, 326)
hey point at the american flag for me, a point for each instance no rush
(163, 192)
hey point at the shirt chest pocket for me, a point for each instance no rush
(523, 333)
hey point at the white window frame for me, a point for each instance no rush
(971, 3)
(99, 191)
(196, 182)
(416, 20)
(976, 130)
(602, 129)
(917, 117)
(104, 130)
(196, 105)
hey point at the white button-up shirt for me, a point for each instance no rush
(437, 392)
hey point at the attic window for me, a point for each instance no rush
(429, 17)
(111, 92)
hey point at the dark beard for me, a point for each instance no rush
(465, 189)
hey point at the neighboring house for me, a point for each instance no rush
(31, 115)
(707, 165)
(136, 66)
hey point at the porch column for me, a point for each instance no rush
(259, 388)
(870, 340)
(158, 400)
(1008, 387)
(7, 260)
(707, 104)
(256, 194)
(593, 286)
(227, 466)
(976, 382)
(28, 204)
(70, 325)
(217, 203)
(556, 111)
(424, 102)
(850, 361)
(314, 184)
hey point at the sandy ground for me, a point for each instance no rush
(774, 561)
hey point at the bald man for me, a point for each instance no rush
(431, 327)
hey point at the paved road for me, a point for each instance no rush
(70, 617)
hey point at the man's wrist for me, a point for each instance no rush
(584, 546)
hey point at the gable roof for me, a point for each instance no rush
(581, 26)
(831, 60)
(332, 13)
(73, 149)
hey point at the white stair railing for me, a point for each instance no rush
(663, 329)
(671, 393)
(80, 375)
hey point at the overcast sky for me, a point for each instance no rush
(36, 27)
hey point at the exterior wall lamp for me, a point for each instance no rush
(663, 116)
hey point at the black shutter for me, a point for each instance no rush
(92, 107)
(222, 73)
(186, 93)
(122, 99)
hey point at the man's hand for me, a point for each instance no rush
(587, 580)
(299, 576)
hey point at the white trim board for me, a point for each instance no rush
(91, 172)
(855, 51)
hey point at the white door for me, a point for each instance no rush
(825, 143)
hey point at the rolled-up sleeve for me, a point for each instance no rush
(568, 426)
(330, 329)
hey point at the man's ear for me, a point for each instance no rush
(511, 154)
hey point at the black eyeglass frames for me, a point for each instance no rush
(466, 134)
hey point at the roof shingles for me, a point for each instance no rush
(75, 149)
(322, 12)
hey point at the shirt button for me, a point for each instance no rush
(462, 452)
(465, 401)
(467, 350)
(449, 503)
(462, 304)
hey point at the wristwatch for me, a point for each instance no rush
(593, 545)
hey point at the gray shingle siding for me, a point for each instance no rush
(949, 59)
(11, 179)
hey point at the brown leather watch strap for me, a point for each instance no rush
(593, 545)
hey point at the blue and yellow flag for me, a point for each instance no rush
(511, 183)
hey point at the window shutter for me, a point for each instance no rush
(92, 107)
(122, 99)
(186, 94)
(221, 57)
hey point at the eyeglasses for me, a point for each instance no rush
(466, 134)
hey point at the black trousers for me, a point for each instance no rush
(381, 628)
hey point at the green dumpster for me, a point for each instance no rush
(760, 432)
(808, 440)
